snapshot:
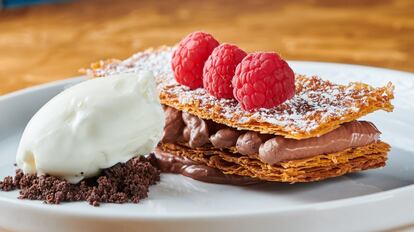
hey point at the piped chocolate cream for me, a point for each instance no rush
(195, 131)
(270, 149)
(174, 125)
(349, 135)
(225, 138)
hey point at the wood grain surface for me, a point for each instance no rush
(50, 42)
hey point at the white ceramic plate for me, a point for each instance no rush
(372, 200)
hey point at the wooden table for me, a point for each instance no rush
(46, 43)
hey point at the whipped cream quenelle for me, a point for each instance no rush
(91, 126)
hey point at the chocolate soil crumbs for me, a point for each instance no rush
(121, 183)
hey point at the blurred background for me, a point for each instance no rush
(51, 41)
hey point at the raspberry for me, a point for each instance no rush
(219, 70)
(189, 58)
(263, 80)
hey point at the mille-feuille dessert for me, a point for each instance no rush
(239, 118)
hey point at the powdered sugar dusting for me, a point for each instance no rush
(316, 101)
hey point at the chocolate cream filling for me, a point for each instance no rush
(184, 128)
(167, 162)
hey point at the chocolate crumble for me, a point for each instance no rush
(121, 183)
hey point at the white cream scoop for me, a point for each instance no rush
(91, 126)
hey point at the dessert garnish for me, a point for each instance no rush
(189, 58)
(257, 80)
(281, 126)
(219, 70)
(90, 127)
(263, 80)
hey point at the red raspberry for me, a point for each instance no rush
(219, 70)
(189, 58)
(263, 80)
